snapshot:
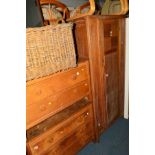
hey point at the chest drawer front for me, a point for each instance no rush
(49, 106)
(48, 86)
(58, 134)
(73, 143)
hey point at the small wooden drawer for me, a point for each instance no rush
(110, 28)
(38, 111)
(42, 88)
(77, 128)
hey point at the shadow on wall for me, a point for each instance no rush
(33, 18)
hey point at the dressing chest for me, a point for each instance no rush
(60, 112)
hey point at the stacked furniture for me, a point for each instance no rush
(60, 112)
(68, 109)
(101, 39)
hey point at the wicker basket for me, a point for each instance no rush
(49, 49)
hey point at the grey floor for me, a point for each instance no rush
(114, 141)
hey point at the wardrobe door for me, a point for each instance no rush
(111, 88)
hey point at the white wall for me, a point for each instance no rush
(126, 98)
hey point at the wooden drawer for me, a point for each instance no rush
(111, 28)
(77, 128)
(42, 88)
(74, 142)
(42, 109)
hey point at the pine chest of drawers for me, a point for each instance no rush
(59, 112)
(65, 137)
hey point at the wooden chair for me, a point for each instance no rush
(58, 6)
(62, 8)
(79, 13)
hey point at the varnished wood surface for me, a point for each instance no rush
(49, 95)
(111, 74)
(55, 84)
(55, 103)
(55, 136)
(103, 41)
(72, 144)
(56, 119)
(60, 118)
(121, 65)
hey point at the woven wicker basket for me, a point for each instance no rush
(49, 49)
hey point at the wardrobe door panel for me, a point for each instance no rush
(111, 76)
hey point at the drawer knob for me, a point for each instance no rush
(74, 77)
(106, 75)
(86, 114)
(86, 98)
(110, 33)
(35, 147)
(61, 132)
(77, 73)
(85, 84)
(82, 69)
(49, 103)
(99, 124)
